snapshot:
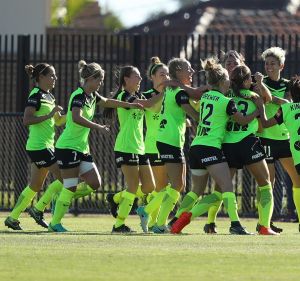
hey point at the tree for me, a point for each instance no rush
(112, 22)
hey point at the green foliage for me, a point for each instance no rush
(112, 22)
(73, 8)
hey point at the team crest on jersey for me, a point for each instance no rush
(137, 115)
(163, 123)
(297, 145)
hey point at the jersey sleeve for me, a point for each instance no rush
(34, 101)
(231, 108)
(279, 116)
(182, 98)
(78, 101)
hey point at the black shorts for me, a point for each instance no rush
(42, 158)
(246, 152)
(155, 159)
(202, 156)
(276, 149)
(70, 158)
(130, 159)
(169, 153)
(298, 168)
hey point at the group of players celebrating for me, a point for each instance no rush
(243, 120)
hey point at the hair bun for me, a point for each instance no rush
(82, 64)
(29, 68)
(155, 60)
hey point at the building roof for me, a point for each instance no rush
(230, 16)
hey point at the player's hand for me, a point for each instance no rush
(104, 128)
(258, 78)
(258, 102)
(57, 108)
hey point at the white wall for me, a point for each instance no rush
(24, 16)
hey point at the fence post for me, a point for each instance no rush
(136, 50)
(249, 50)
(20, 171)
(22, 78)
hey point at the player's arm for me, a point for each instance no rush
(261, 88)
(239, 117)
(30, 119)
(113, 103)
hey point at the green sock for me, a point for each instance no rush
(62, 205)
(118, 196)
(124, 207)
(54, 187)
(230, 204)
(267, 204)
(23, 201)
(258, 197)
(213, 211)
(82, 190)
(187, 203)
(139, 193)
(296, 197)
(168, 204)
(155, 203)
(151, 195)
(205, 203)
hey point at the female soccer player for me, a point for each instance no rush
(157, 73)
(289, 114)
(72, 148)
(130, 148)
(170, 141)
(276, 138)
(206, 155)
(41, 114)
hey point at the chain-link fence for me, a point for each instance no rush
(15, 171)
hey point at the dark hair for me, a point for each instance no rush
(34, 72)
(214, 71)
(90, 70)
(295, 89)
(238, 76)
(155, 64)
(120, 74)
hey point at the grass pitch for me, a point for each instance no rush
(90, 252)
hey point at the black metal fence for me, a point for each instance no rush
(64, 52)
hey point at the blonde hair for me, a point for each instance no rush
(214, 71)
(275, 52)
(89, 70)
(174, 65)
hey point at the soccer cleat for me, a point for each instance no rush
(266, 231)
(171, 222)
(239, 230)
(56, 228)
(144, 217)
(38, 216)
(275, 228)
(12, 223)
(210, 228)
(113, 206)
(183, 220)
(163, 229)
(122, 229)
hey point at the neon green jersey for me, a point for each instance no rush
(130, 137)
(41, 135)
(234, 131)
(152, 117)
(291, 118)
(74, 135)
(215, 110)
(277, 89)
(172, 126)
